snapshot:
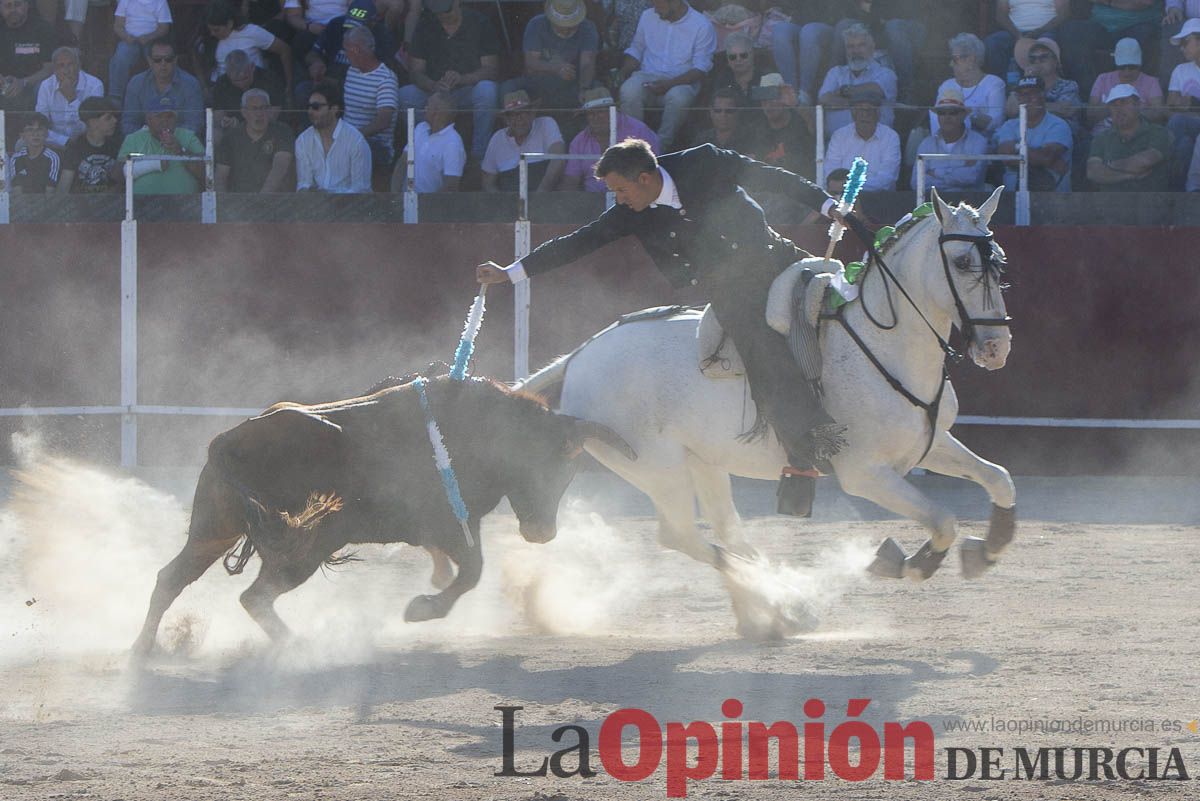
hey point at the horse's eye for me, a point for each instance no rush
(963, 262)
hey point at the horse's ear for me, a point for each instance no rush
(989, 208)
(940, 208)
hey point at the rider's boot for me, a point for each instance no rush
(797, 487)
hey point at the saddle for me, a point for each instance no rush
(793, 309)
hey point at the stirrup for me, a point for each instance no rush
(796, 491)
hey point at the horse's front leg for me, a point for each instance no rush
(950, 457)
(469, 559)
(888, 488)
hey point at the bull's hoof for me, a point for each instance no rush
(975, 558)
(1002, 527)
(141, 652)
(423, 607)
(889, 560)
(924, 563)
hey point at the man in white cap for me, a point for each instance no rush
(952, 136)
(1132, 155)
(1127, 56)
(560, 48)
(1175, 14)
(1109, 21)
(782, 138)
(1183, 92)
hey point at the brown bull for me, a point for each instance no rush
(299, 483)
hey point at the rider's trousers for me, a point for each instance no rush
(780, 391)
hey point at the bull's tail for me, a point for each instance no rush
(236, 558)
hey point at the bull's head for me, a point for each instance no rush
(547, 467)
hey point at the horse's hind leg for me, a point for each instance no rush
(216, 526)
(950, 457)
(715, 493)
(888, 489)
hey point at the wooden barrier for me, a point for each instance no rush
(235, 315)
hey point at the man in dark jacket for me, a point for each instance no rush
(691, 212)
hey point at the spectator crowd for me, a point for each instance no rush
(312, 95)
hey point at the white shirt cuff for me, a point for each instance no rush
(515, 272)
(827, 205)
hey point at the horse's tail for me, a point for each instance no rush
(547, 383)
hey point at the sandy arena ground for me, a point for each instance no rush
(1090, 618)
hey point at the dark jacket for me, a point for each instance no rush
(719, 234)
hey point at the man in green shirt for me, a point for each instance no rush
(1131, 156)
(161, 137)
(1109, 21)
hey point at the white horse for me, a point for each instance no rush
(644, 381)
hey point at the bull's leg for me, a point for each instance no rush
(888, 489)
(195, 558)
(443, 570)
(470, 566)
(715, 493)
(950, 457)
(216, 526)
(276, 577)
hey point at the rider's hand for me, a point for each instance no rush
(490, 273)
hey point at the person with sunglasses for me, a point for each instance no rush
(736, 70)
(331, 156)
(727, 130)
(163, 79)
(89, 163)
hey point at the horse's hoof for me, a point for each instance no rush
(423, 607)
(889, 560)
(1002, 527)
(924, 563)
(975, 559)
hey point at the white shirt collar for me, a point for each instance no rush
(669, 196)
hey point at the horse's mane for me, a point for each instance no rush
(910, 221)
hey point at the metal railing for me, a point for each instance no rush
(1021, 157)
(522, 244)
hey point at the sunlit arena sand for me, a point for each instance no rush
(1081, 621)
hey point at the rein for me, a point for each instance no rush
(967, 324)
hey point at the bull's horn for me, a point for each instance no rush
(586, 429)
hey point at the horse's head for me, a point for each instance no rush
(973, 265)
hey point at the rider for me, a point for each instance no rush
(692, 213)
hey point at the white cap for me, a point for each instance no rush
(1127, 52)
(1189, 27)
(1122, 90)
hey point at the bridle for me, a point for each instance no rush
(991, 267)
(986, 245)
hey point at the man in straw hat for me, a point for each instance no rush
(523, 132)
(693, 213)
(953, 136)
(560, 48)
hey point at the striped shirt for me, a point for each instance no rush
(34, 173)
(367, 93)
